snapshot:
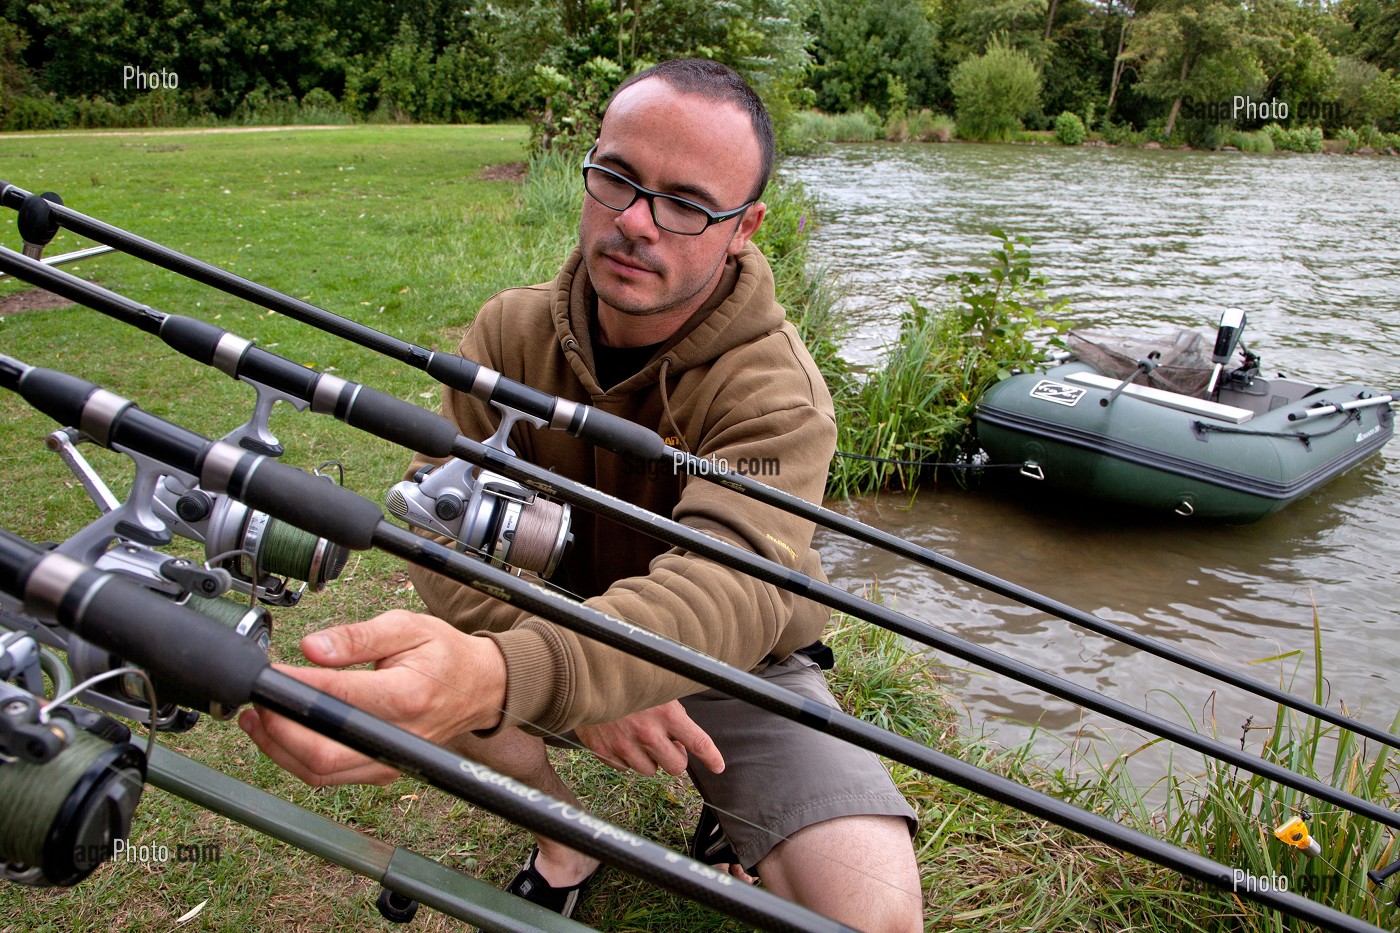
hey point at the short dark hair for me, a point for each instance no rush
(716, 82)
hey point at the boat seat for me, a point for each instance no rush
(1195, 406)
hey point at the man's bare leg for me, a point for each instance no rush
(859, 870)
(524, 758)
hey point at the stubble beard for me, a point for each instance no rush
(645, 256)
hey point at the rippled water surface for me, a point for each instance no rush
(1309, 247)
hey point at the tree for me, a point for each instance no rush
(1374, 31)
(994, 91)
(1200, 50)
(860, 45)
(1077, 67)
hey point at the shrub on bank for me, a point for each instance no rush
(1298, 139)
(1069, 129)
(1258, 141)
(916, 407)
(994, 91)
(924, 126)
(812, 127)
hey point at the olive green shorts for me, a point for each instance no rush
(780, 776)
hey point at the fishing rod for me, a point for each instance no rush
(139, 625)
(435, 436)
(625, 438)
(342, 516)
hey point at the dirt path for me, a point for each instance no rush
(193, 130)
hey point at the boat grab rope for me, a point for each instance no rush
(970, 464)
(1202, 427)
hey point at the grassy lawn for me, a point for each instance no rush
(409, 229)
(402, 228)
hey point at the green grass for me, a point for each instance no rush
(400, 228)
(811, 127)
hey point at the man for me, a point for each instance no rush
(663, 315)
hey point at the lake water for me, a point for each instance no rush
(1142, 241)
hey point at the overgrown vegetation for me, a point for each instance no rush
(915, 408)
(994, 91)
(1174, 73)
(924, 126)
(1231, 816)
(1069, 129)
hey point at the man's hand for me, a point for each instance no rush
(429, 678)
(649, 739)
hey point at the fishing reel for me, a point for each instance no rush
(128, 695)
(259, 553)
(244, 548)
(484, 512)
(69, 776)
(257, 550)
(183, 582)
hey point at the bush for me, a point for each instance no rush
(1120, 134)
(918, 405)
(34, 113)
(320, 106)
(1306, 138)
(930, 127)
(994, 91)
(96, 113)
(1069, 129)
(812, 127)
(1298, 139)
(161, 107)
(570, 117)
(924, 126)
(1380, 142)
(897, 128)
(1252, 142)
(1349, 138)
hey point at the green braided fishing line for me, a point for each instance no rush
(221, 609)
(287, 550)
(34, 796)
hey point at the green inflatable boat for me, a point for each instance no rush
(1158, 426)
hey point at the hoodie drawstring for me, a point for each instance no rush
(666, 404)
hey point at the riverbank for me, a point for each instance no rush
(813, 129)
(402, 229)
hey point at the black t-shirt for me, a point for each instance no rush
(618, 364)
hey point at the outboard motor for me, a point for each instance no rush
(1226, 339)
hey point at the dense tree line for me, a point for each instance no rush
(1164, 65)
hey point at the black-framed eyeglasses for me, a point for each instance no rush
(670, 213)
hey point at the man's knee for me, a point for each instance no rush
(860, 870)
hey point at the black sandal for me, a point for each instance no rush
(709, 844)
(533, 887)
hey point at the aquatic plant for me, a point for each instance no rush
(915, 409)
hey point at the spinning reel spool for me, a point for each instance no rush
(252, 546)
(129, 691)
(486, 513)
(71, 779)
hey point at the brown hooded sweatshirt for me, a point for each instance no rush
(735, 383)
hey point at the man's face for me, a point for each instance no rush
(678, 144)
